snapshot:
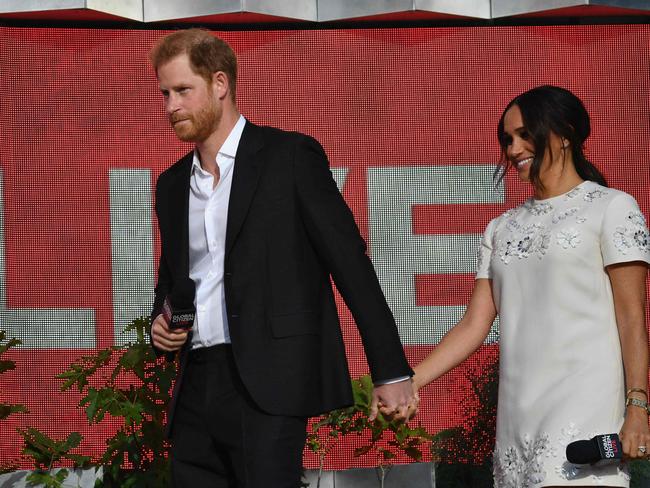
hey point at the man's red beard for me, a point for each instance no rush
(198, 126)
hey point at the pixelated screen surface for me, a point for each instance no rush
(408, 119)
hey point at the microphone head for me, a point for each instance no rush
(602, 449)
(178, 308)
(582, 452)
(182, 295)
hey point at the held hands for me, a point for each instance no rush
(166, 339)
(395, 400)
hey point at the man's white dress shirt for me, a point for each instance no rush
(208, 216)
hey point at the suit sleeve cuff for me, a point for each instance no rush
(391, 380)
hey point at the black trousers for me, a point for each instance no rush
(221, 439)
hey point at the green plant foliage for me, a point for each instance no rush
(7, 409)
(136, 390)
(46, 452)
(387, 436)
(8, 466)
(464, 453)
(472, 443)
(46, 479)
(639, 473)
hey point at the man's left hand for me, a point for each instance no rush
(395, 400)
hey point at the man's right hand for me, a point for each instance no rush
(166, 339)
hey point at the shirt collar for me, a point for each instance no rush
(229, 146)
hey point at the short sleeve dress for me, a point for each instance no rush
(561, 369)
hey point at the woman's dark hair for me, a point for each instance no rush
(547, 109)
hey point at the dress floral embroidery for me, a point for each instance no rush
(560, 216)
(573, 193)
(479, 259)
(565, 469)
(540, 208)
(521, 469)
(634, 235)
(535, 238)
(593, 195)
(636, 218)
(524, 468)
(568, 238)
(529, 240)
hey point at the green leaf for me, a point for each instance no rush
(313, 444)
(362, 392)
(7, 409)
(39, 445)
(80, 371)
(131, 358)
(9, 344)
(447, 434)
(92, 401)
(414, 453)
(73, 440)
(387, 455)
(45, 450)
(6, 365)
(360, 451)
(142, 327)
(154, 435)
(79, 460)
(401, 434)
(47, 479)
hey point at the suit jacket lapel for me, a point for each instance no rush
(244, 180)
(179, 211)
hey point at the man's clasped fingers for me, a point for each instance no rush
(395, 401)
(404, 412)
(165, 338)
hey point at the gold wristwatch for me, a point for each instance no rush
(636, 402)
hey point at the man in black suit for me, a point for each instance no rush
(254, 219)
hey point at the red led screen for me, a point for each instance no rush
(407, 117)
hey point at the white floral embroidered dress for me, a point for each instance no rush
(561, 376)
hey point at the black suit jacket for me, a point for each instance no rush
(288, 231)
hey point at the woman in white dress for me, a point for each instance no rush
(566, 272)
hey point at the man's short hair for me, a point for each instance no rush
(206, 52)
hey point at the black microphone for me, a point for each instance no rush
(602, 449)
(178, 307)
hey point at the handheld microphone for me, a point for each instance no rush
(178, 308)
(602, 449)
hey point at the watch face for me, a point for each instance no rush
(637, 403)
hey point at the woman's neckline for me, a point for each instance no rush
(543, 200)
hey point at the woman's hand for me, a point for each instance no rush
(635, 434)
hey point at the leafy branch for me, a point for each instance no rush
(387, 436)
(472, 442)
(7, 409)
(136, 390)
(46, 451)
